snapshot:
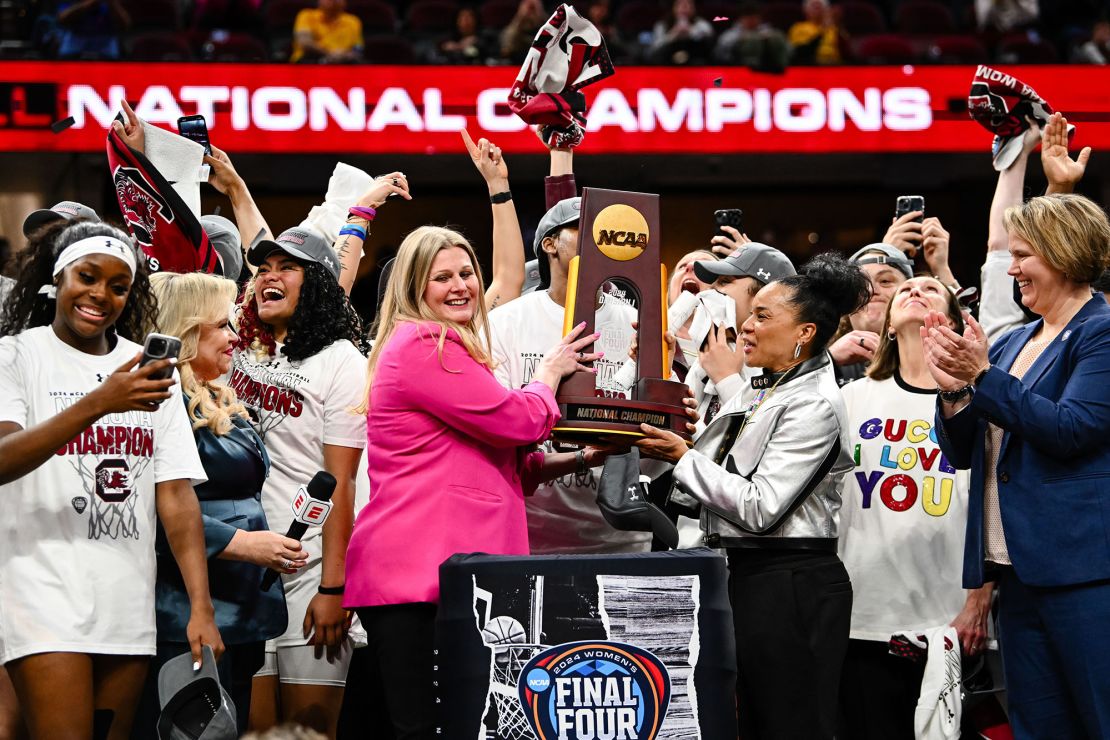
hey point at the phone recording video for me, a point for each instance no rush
(195, 128)
(160, 347)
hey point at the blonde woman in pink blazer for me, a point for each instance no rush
(451, 455)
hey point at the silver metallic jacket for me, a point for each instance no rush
(770, 483)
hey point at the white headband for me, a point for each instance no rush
(95, 245)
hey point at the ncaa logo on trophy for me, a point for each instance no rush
(619, 242)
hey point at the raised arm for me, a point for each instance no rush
(998, 312)
(248, 218)
(353, 237)
(1062, 171)
(508, 244)
(559, 183)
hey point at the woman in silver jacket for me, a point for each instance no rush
(769, 471)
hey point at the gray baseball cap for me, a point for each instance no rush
(194, 705)
(225, 239)
(300, 242)
(564, 213)
(67, 209)
(765, 264)
(883, 254)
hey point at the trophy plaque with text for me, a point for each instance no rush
(618, 243)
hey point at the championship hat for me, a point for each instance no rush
(564, 213)
(67, 209)
(223, 235)
(765, 264)
(301, 242)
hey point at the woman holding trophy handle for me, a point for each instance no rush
(769, 473)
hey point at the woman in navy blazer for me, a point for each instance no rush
(1032, 421)
(240, 546)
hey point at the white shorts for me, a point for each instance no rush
(299, 664)
(288, 656)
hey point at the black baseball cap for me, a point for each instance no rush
(300, 242)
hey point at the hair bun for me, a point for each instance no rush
(837, 281)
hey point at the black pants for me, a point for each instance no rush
(791, 611)
(878, 693)
(236, 669)
(401, 641)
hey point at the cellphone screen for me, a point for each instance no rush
(195, 129)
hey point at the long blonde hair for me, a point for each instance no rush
(185, 303)
(404, 299)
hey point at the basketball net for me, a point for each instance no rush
(113, 520)
(508, 660)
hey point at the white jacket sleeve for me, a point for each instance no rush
(998, 313)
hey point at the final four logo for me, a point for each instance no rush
(595, 689)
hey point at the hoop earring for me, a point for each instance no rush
(892, 337)
(797, 350)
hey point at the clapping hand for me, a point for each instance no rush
(953, 360)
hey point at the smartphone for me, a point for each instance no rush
(195, 128)
(909, 203)
(733, 217)
(160, 347)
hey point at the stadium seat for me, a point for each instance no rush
(377, 17)
(861, 18)
(783, 15)
(496, 14)
(958, 50)
(152, 15)
(388, 49)
(1020, 49)
(636, 16)
(159, 46)
(432, 17)
(235, 47)
(885, 49)
(924, 18)
(280, 14)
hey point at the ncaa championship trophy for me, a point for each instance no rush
(618, 240)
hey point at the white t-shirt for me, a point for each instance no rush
(562, 515)
(904, 512)
(297, 408)
(77, 564)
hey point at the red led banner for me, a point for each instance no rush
(290, 109)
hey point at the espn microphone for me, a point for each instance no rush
(311, 507)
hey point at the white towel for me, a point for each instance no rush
(179, 160)
(939, 707)
(347, 183)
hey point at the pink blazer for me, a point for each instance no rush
(447, 447)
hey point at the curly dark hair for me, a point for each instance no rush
(323, 316)
(825, 289)
(26, 307)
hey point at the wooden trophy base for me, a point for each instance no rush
(589, 419)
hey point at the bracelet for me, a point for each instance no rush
(581, 468)
(956, 395)
(504, 197)
(330, 590)
(365, 212)
(353, 230)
